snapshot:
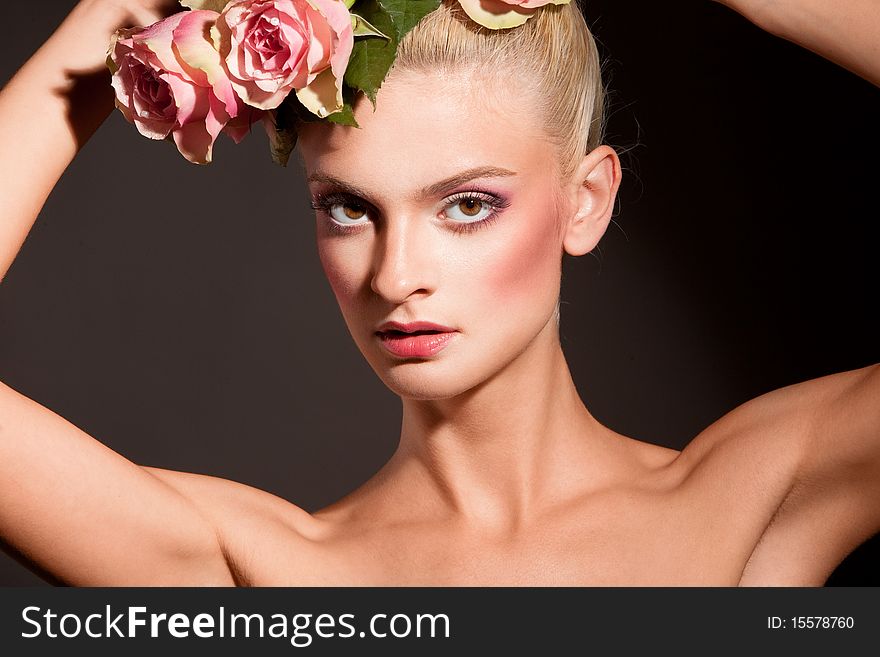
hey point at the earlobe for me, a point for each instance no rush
(593, 190)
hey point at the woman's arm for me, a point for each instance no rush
(81, 514)
(832, 423)
(75, 510)
(51, 107)
(813, 450)
(833, 504)
(846, 32)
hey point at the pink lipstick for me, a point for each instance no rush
(415, 339)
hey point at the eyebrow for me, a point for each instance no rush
(434, 189)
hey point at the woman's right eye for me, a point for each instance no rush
(347, 213)
(342, 210)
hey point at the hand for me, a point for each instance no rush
(85, 34)
(129, 13)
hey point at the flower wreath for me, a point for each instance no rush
(221, 65)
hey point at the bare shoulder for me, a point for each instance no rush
(218, 495)
(797, 470)
(250, 523)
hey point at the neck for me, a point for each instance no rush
(498, 453)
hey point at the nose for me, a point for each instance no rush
(401, 266)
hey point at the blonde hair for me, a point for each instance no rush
(553, 55)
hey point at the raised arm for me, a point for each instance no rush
(846, 32)
(805, 460)
(833, 504)
(73, 509)
(51, 107)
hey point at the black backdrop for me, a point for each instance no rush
(179, 314)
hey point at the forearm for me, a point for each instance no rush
(846, 32)
(49, 109)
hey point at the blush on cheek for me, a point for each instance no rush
(341, 278)
(527, 260)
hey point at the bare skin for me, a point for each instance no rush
(777, 492)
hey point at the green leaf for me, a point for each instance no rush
(361, 27)
(345, 116)
(406, 13)
(291, 112)
(372, 57)
(282, 140)
(213, 5)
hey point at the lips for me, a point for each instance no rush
(414, 327)
(414, 339)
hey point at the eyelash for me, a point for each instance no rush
(323, 202)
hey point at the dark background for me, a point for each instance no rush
(179, 313)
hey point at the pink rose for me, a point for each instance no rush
(272, 47)
(502, 14)
(169, 80)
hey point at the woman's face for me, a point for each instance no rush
(441, 208)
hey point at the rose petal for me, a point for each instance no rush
(339, 18)
(217, 116)
(158, 38)
(122, 84)
(191, 101)
(495, 14)
(194, 44)
(153, 129)
(216, 5)
(531, 4)
(239, 127)
(323, 95)
(319, 55)
(194, 142)
(195, 139)
(256, 97)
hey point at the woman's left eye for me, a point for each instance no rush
(471, 208)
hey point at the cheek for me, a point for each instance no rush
(340, 268)
(527, 265)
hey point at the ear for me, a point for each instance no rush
(591, 193)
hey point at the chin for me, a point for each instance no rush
(425, 379)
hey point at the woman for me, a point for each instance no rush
(502, 476)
